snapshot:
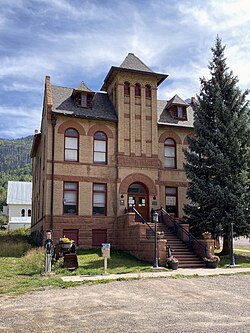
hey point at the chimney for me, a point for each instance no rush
(193, 101)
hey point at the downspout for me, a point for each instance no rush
(53, 123)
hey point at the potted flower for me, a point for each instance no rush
(206, 235)
(211, 261)
(172, 263)
(65, 243)
(160, 234)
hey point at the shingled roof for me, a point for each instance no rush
(63, 103)
(134, 63)
(131, 64)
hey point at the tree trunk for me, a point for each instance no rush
(226, 247)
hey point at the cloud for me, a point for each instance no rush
(80, 40)
(18, 121)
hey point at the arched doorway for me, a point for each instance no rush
(138, 197)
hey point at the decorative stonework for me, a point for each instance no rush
(138, 178)
(170, 134)
(71, 124)
(100, 128)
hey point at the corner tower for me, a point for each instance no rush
(132, 87)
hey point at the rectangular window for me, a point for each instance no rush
(71, 149)
(70, 198)
(99, 199)
(171, 200)
(84, 101)
(99, 151)
(169, 157)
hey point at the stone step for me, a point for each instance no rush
(187, 259)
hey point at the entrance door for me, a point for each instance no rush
(138, 197)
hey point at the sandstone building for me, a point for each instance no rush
(97, 153)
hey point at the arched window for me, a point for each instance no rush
(23, 212)
(170, 153)
(137, 90)
(100, 148)
(126, 88)
(71, 145)
(148, 91)
(29, 212)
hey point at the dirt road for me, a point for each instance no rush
(209, 304)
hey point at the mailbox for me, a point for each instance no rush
(106, 250)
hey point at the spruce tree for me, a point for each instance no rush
(217, 160)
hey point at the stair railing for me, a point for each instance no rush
(132, 208)
(177, 228)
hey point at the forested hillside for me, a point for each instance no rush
(15, 163)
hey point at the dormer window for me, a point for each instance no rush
(179, 112)
(84, 100)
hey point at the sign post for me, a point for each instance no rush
(106, 255)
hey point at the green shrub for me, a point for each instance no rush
(33, 261)
(15, 243)
(14, 249)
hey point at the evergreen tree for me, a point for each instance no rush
(217, 161)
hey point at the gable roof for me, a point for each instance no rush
(176, 100)
(131, 64)
(134, 63)
(83, 87)
(19, 193)
(63, 103)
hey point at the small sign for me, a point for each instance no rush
(106, 250)
(170, 201)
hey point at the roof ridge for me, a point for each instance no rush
(133, 62)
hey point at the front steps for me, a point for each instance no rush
(187, 259)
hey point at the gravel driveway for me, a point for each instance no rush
(207, 304)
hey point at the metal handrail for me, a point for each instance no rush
(141, 217)
(191, 237)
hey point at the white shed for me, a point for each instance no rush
(19, 198)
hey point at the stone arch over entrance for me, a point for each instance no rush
(138, 178)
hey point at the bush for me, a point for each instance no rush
(15, 243)
(33, 261)
(14, 249)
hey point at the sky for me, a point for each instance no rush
(79, 40)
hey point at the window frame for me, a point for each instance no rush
(71, 190)
(148, 91)
(166, 157)
(176, 199)
(70, 149)
(137, 90)
(105, 198)
(96, 151)
(126, 88)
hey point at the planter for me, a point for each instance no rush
(65, 245)
(211, 264)
(160, 236)
(173, 265)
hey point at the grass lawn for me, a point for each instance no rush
(240, 259)
(20, 275)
